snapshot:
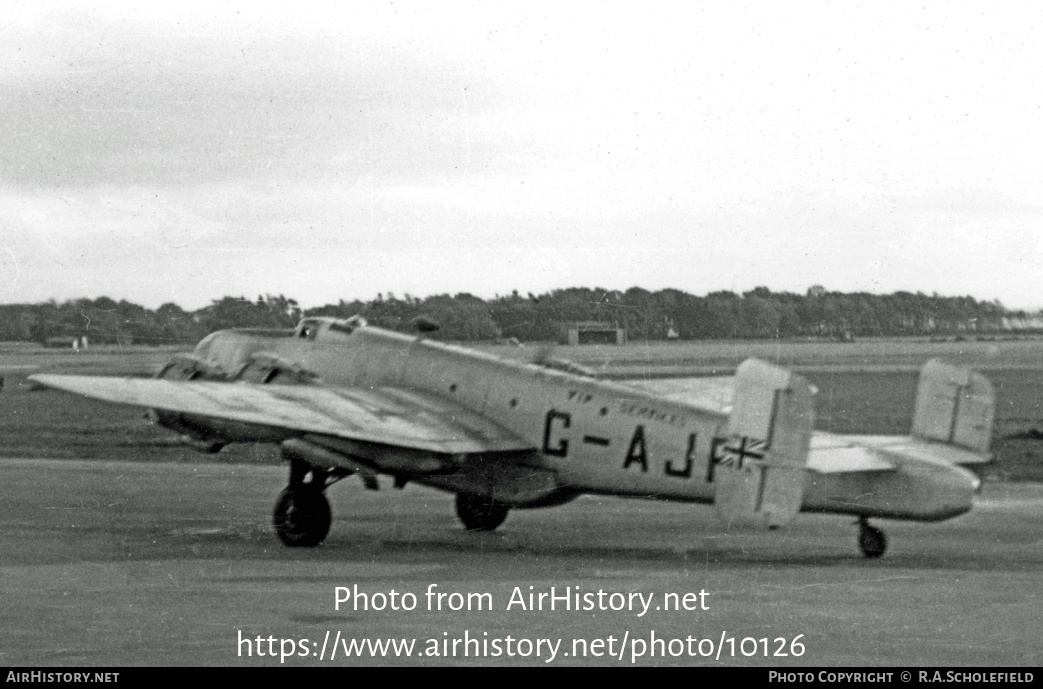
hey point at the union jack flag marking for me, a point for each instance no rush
(742, 451)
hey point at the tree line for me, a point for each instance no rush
(664, 314)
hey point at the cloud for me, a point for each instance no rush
(379, 146)
(92, 99)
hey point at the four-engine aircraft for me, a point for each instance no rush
(344, 398)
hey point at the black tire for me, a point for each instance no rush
(302, 516)
(480, 513)
(872, 541)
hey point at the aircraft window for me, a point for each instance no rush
(342, 327)
(452, 388)
(604, 411)
(308, 328)
(347, 325)
(514, 402)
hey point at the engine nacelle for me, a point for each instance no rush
(264, 368)
(189, 367)
(209, 435)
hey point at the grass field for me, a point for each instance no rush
(864, 387)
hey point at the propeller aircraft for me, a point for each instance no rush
(343, 398)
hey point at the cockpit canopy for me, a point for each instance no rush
(309, 328)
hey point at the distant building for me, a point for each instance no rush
(66, 341)
(73, 341)
(1025, 323)
(592, 332)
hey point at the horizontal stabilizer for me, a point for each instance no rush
(848, 454)
(710, 393)
(848, 460)
(760, 469)
(714, 394)
(954, 405)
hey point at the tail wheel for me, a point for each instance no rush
(871, 540)
(302, 516)
(480, 513)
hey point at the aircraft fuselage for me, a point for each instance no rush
(594, 436)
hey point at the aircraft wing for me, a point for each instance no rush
(398, 417)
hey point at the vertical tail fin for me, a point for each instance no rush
(954, 405)
(760, 474)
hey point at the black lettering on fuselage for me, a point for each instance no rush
(637, 452)
(562, 448)
(689, 458)
(715, 457)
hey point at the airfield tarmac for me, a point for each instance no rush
(133, 563)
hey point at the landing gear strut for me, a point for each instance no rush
(871, 539)
(480, 513)
(302, 514)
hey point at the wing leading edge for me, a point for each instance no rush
(386, 415)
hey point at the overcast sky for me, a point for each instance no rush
(336, 151)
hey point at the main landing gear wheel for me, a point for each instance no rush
(302, 516)
(480, 513)
(871, 539)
